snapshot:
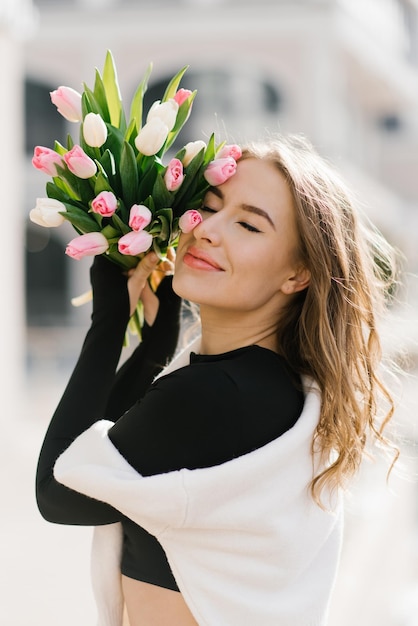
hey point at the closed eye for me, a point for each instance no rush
(252, 229)
(249, 227)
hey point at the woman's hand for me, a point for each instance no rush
(139, 286)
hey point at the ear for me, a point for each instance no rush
(299, 281)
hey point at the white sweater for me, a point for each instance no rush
(246, 543)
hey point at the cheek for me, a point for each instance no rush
(269, 270)
(184, 241)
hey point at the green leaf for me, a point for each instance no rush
(113, 96)
(60, 190)
(193, 176)
(89, 103)
(167, 213)
(159, 248)
(172, 86)
(70, 143)
(109, 232)
(211, 150)
(80, 219)
(115, 142)
(149, 202)
(131, 133)
(101, 183)
(165, 216)
(107, 163)
(120, 225)
(100, 95)
(161, 196)
(123, 211)
(182, 116)
(137, 100)
(196, 201)
(123, 260)
(161, 228)
(78, 188)
(59, 148)
(128, 174)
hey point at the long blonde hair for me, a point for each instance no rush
(329, 330)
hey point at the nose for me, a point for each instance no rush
(209, 229)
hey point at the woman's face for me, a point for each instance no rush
(243, 256)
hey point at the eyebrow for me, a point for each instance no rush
(246, 207)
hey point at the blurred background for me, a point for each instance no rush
(342, 72)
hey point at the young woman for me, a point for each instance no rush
(216, 487)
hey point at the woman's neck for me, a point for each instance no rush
(225, 333)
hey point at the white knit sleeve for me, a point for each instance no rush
(93, 466)
(105, 573)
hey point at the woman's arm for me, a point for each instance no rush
(159, 342)
(84, 399)
(93, 391)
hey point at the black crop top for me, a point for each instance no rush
(217, 408)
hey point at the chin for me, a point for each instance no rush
(185, 287)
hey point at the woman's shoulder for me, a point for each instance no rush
(252, 366)
(247, 371)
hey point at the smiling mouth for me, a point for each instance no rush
(201, 261)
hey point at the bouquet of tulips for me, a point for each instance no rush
(113, 185)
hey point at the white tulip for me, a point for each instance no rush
(47, 213)
(165, 111)
(192, 149)
(152, 137)
(94, 130)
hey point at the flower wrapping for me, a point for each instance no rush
(114, 183)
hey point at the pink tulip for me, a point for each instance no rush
(189, 220)
(135, 242)
(90, 244)
(79, 163)
(182, 95)
(46, 160)
(230, 150)
(139, 217)
(219, 170)
(68, 103)
(173, 176)
(105, 203)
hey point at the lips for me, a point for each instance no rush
(198, 259)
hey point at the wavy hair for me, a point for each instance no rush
(329, 331)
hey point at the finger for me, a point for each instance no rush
(166, 267)
(144, 268)
(138, 278)
(147, 264)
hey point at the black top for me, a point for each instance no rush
(216, 408)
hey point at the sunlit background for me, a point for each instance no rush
(342, 72)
